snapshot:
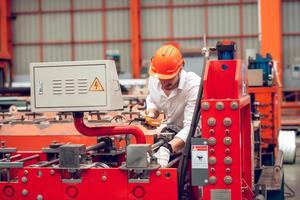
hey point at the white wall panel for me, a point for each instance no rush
(291, 50)
(55, 4)
(23, 56)
(250, 19)
(24, 5)
(88, 52)
(117, 3)
(81, 4)
(188, 1)
(154, 2)
(188, 21)
(25, 29)
(223, 20)
(57, 53)
(291, 16)
(117, 24)
(154, 23)
(56, 27)
(88, 26)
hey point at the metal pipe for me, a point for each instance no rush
(28, 158)
(170, 164)
(157, 144)
(49, 163)
(10, 158)
(107, 130)
(99, 145)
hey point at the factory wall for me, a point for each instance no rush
(58, 30)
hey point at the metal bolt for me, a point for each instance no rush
(39, 174)
(228, 180)
(219, 105)
(24, 192)
(227, 121)
(211, 121)
(212, 179)
(212, 131)
(212, 141)
(234, 105)
(39, 197)
(205, 105)
(24, 179)
(227, 160)
(227, 140)
(52, 172)
(104, 178)
(158, 173)
(212, 160)
(25, 172)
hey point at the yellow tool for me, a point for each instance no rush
(152, 121)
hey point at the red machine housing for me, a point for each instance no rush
(226, 125)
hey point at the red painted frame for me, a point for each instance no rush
(227, 85)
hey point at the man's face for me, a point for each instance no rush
(170, 84)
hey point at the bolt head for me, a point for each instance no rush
(39, 197)
(104, 178)
(211, 121)
(234, 105)
(220, 105)
(212, 141)
(205, 106)
(212, 180)
(24, 192)
(158, 173)
(24, 179)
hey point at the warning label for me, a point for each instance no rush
(96, 85)
(199, 157)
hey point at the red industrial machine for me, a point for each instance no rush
(114, 169)
(226, 125)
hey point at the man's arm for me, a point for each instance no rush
(179, 140)
(152, 109)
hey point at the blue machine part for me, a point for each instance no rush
(226, 50)
(266, 64)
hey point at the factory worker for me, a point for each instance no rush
(174, 91)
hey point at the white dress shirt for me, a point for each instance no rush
(179, 105)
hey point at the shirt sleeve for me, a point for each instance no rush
(150, 103)
(188, 113)
(149, 100)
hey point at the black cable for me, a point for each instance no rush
(181, 170)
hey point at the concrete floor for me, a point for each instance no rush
(292, 173)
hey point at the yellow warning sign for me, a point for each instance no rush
(96, 85)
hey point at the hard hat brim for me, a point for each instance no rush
(163, 76)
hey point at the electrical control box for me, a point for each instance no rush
(75, 86)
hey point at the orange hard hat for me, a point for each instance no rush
(166, 62)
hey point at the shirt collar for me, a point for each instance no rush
(182, 79)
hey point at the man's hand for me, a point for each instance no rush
(152, 121)
(153, 113)
(163, 156)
